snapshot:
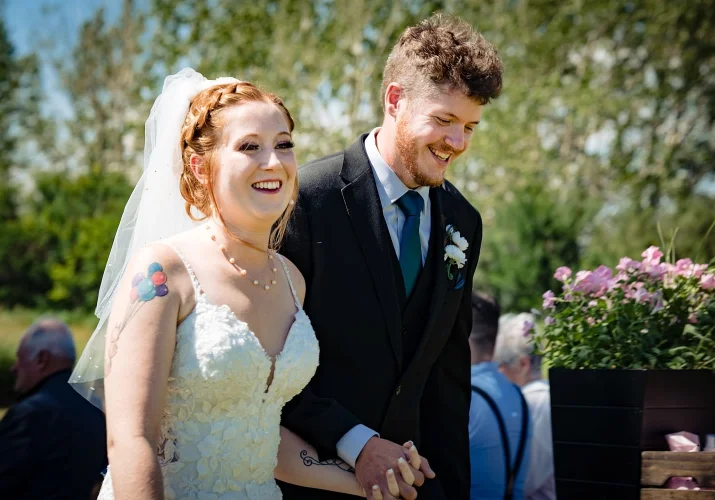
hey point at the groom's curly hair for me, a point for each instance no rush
(444, 51)
(201, 135)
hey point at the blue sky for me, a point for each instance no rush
(26, 18)
(30, 23)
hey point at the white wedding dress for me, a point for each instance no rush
(221, 426)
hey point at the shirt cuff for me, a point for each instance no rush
(352, 443)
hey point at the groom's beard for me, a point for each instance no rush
(407, 153)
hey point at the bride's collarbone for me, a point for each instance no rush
(267, 316)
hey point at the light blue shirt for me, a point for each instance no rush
(389, 188)
(485, 445)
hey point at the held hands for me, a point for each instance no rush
(379, 463)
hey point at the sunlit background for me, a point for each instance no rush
(600, 145)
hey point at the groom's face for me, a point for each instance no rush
(432, 131)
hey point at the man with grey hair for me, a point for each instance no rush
(514, 352)
(52, 441)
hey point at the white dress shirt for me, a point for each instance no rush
(389, 188)
(540, 484)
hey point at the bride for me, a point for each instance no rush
(202, 332)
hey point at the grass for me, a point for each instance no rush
(14, 323)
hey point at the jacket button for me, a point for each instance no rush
(399, 388)
(404, 330)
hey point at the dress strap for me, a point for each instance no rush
(290, 282)
(194, 280)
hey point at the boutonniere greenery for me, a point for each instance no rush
(454, 250)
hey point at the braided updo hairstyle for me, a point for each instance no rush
(201, 135)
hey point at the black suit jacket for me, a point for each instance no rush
(339, 240)
(52, 444)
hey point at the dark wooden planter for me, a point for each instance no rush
(603, 419)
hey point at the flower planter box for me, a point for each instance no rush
(603, 419)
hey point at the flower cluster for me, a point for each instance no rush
(643, 314)
(454, 250)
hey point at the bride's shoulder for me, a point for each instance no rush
(296, 277)
(160, 261)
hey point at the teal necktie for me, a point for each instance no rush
(411, 204)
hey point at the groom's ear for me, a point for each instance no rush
(197, 167)
(394, 94)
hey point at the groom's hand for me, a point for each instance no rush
(376, 458)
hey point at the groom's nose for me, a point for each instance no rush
(456, 139)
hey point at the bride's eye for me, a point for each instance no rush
(248, 146)
(285, 145)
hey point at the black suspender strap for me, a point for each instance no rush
(511, 473)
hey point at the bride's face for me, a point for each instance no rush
(255, 166)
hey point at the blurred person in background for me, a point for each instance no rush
(52, 441)
(499, 430)
(515, 354)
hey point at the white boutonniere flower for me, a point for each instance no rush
(454, 251)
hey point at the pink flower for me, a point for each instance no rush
(548, 320)
(627, 264)
(562, 273)
(528, 326)
(596, 282)
(656, 271)
(707, 281)
(693, 319)
(549, 300)
(699, 269)
(652, 256)
(591, 321)
(642, 295)
(683, 267)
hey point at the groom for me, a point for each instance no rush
(388, 279)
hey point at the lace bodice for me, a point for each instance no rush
(221, 425)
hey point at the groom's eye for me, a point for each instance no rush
(248, 146)
(441, 121)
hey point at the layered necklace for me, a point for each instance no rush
(241, 271)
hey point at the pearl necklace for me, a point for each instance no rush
(242, 271)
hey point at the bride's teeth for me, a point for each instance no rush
(272, 185)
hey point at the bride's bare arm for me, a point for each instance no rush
(139, 348)
(298, 464)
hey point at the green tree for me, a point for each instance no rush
(75, 217)
(19, 107)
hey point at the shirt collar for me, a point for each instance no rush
(486, 366)
(389, 187)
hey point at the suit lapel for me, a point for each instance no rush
(365, 211)
(441, 283)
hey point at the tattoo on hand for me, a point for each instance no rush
(144, 288)
(340, 464)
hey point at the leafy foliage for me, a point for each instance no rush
(604, 130)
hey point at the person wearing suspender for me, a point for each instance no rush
(499, 421)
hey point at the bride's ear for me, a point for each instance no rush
(197, 167)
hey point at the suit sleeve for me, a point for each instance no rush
(17, 446)
(321, 421)
(446, 400)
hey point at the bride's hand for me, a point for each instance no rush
(418, 462)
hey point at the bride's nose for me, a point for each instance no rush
(272, 162)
